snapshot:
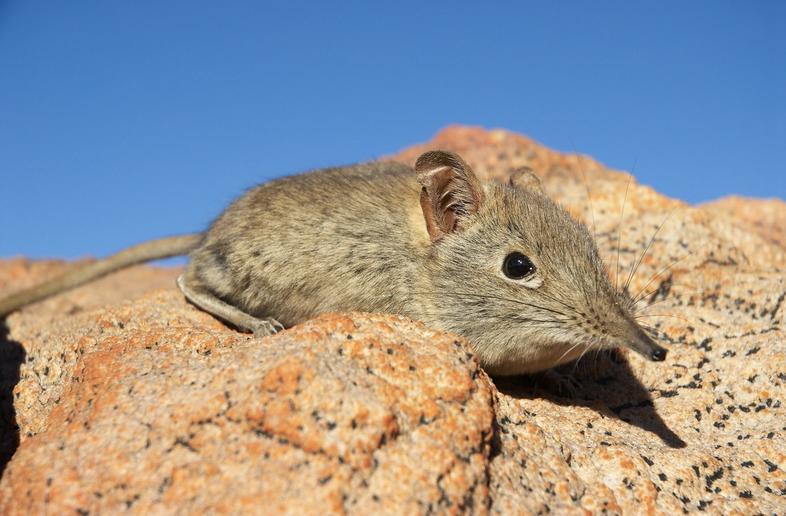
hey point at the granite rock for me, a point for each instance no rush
(702, 431)
(157, 409)
(764, 217)
(128, 398)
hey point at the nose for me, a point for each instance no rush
(658, 355)
(641, 343)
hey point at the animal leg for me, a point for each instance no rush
(560, 383)
(260, 327)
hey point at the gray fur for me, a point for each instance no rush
(355, 238)
(379, 237)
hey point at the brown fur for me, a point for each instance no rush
(346, 239)
(428, 244)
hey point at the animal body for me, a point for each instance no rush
(500, 264)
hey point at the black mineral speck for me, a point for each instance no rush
(716, 475)
(752, 351)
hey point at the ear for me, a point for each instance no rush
(451, 193)
(525, 179)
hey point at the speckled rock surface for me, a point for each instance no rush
(342, 413)
(706, 430)
(128, 398)
(763, 216)
(32, 365)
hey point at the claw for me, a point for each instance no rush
(267, 327)
(562, 384)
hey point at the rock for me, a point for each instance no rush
(346, 412)
(706, 429)
(126, 397)
(46, 329)
(764, 217)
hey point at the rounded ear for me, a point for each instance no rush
(451, 192)
(525, 179)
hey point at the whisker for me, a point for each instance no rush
(646, 249)
(530, 320)
(595, 353)
(576, 365)
(643, 309)
(682, 290)
(557, 300)
(586, 186)
(653, 303)
(568, 352)
(598, 354)
(663, 315)
(539, 323)
(619, 233)
(459, 294)
(655, 276)
(591, 207)
(652, 331)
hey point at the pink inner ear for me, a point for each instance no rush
(428, 214)
(451, 192)
(443, 207)
(449, 220)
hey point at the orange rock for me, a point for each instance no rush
(127, 397)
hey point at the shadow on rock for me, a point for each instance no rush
(12, 355)
(604, 383)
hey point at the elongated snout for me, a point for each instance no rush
(642, 344)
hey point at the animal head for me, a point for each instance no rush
(516, 274)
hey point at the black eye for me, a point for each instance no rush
(517, 266)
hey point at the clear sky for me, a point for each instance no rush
(122, 121)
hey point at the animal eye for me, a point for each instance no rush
(517, 266)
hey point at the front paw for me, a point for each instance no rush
(559, 383)
(267, 327)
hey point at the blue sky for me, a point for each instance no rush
(125, 121)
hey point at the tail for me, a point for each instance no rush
(144, 252)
